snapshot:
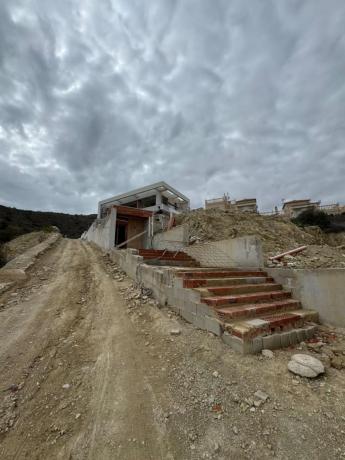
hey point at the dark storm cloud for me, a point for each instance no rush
(97, 97)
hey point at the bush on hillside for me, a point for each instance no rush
(313, 217)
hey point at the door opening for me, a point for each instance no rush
(121, 234)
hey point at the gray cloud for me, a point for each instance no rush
(98, 97)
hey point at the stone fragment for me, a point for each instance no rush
(261, 395)
(175, 332)
(338, 362)
(306, 366)
(267, 353)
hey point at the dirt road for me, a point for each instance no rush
(83, 376)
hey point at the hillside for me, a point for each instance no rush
(15, 222)
(277, 234)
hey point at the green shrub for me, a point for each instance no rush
(312, 217)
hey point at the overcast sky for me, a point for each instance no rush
(212, 96)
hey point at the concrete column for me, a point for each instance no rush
(112, 228)
(158, 198)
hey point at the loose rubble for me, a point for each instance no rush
(277, 234)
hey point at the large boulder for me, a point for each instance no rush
(306, 366)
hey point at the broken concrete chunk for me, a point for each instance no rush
(261, 395)
(306, 366)
(175, 332)
(267, 353)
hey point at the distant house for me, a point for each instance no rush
(294, 208)
(129, 219)
(247, 205)
(224, 203)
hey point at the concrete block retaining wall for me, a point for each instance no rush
(167, 289)
(173, 240)
(321, 289)
(241, 252)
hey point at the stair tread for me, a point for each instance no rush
(242, 286)
(257, 309)
(222, 273)
(237, 298)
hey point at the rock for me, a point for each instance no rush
(175, 332)
(267, 353)
(306, 366)
(338, 362)
(235, 429)
(261, 395)
(215, 374)
(66, 386)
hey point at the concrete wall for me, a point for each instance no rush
(237, 252)
(321, 289)
(168, 289)
(174, 239)
(102, 231)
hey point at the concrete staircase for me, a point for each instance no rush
(164, 257)
(254, 312)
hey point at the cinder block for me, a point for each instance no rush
(199, 321)
(271, 342)
(301, 335)
(239, 345)
(257, 345)
(285, 339)
(213, 325)
(293, 337)
(189, 306)
(203, 309)
(187, 315)
(227, 338)
(310, 331)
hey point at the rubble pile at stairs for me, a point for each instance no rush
(277, 234)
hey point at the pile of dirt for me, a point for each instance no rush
(277, 234)
(21, 244)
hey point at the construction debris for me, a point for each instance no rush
(292, 252)
(277, 234)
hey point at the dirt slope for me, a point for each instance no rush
(277, 234)
(20, 244)
(86, 374)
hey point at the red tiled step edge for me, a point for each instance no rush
(220, 274)
(271, 324)
(243, 298)
(258, 309)
(224, 290)
(202, 282)
(178, 257)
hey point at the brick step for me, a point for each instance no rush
(149, 252)
(228, 300)
(172, 263)
(239, 289)
(205, 282)
(287, 338)
(166, 256)
(257, 309)
(270, 324)
(221, 274)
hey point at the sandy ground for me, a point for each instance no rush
(86, 374)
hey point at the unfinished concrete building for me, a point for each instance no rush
(219, 286)
(130, 219)
(224, 203)
(294, 208)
